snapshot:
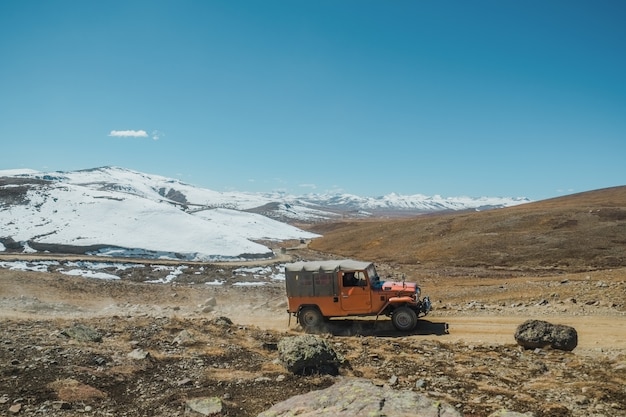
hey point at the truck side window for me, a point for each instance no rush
(350, 280)
(360, 279)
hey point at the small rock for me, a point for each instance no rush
(61, 405)
(15, 408)
(138, 354)
(184, 338)
(82, 333)
(222, 321)
(208, 406)
(184, 381)
(506, 413)
(99, 360)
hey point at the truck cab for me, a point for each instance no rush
(320, 290)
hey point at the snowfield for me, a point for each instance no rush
(118, 212)
(123, 214)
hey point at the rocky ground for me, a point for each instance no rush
(93, 347)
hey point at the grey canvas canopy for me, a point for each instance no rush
(327, 266)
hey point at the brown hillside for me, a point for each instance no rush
(578, 232)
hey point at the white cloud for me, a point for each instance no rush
(129, 133)
(156, 135)
(311, 186)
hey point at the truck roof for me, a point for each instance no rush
(332, 265)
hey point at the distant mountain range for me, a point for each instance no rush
(121, 212)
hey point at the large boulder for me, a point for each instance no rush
(359, 397)
(308, 354)
(534, 334)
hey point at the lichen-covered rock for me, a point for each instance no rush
(308, 354)
(210, 406)
(359, 397)
(83, 333)
(534, 334)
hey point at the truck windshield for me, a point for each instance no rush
(372, 274)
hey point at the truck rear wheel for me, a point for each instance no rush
(404, 319)
(310, 318)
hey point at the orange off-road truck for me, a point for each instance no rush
(320, 290)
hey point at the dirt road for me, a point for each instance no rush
(600, 325)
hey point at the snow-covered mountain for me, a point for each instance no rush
(120, 212)
(416, 203)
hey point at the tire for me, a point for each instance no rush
(310, 318)
(404, 319)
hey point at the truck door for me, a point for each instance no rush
(355, 292)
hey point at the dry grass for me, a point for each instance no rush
(579, 232)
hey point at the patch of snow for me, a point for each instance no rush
(89, 274)
(278, 277)
(248, 284)
(39, 266)
(174, 271)
(259, 270)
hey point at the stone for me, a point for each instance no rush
(222, 321)
(393, 380)
(308, 354)
(184, 382)
(184, 338)
(83, 333)
(360, 397)
(138, 354)
(61, 405)
(207, 406)
(506, 413)
(535, 334)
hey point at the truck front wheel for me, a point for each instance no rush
(310, 318)
(404, 319)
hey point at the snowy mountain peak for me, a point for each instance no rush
(122, 212)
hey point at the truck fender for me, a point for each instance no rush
(396, 302)
(401, 300)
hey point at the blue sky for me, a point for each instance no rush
(456, 98)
